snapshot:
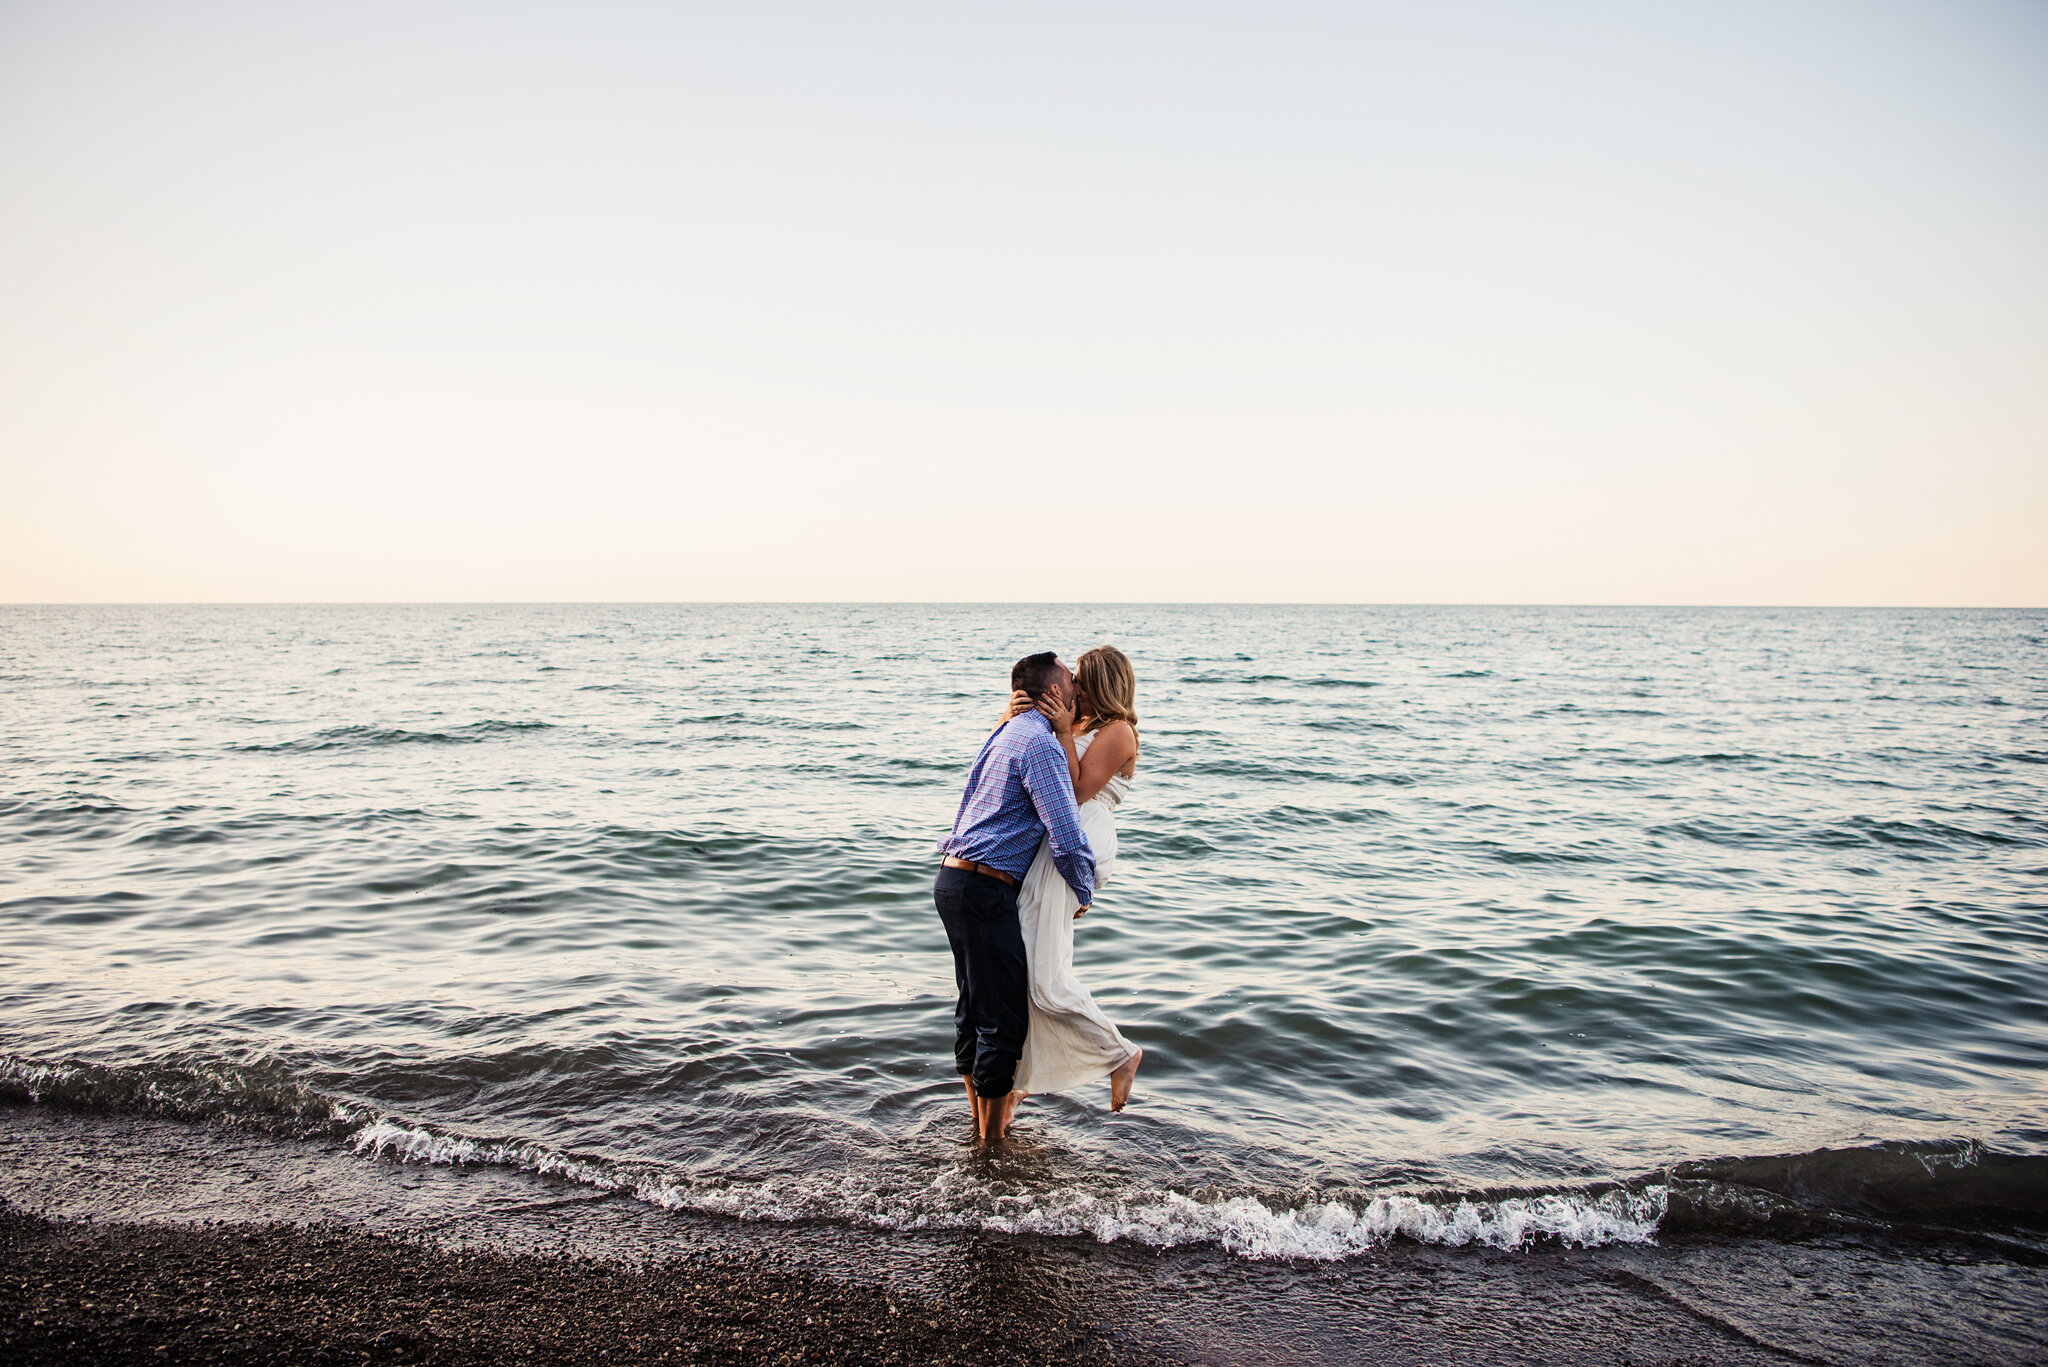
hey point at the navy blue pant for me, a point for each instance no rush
(994, 1007)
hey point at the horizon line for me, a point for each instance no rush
(995, 602)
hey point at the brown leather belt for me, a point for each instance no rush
(986, 870)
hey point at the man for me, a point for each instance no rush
(1018, 793)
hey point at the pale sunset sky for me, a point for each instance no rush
(1396, 302)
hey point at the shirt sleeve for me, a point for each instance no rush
(1052, 793)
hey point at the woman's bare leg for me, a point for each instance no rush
(1120, 1081)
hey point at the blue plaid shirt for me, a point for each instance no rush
(1018, 793)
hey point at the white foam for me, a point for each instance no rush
(1243, 1225)
(1336, 1229)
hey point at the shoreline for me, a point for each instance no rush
(338, 1257)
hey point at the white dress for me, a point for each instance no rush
(1070, 1041)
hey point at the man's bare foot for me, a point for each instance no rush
(986, 1112)
(968, 1083)
(1120, 1081)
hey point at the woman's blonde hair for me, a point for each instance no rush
(1112, 687)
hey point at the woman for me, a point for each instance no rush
(1070, 1041)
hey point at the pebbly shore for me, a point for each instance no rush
(74, 1292)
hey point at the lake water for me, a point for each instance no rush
(1463, 924)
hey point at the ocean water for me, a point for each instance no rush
(1460, 925)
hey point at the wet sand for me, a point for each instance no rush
(321, 1255)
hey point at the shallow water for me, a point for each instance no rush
(1431, 920)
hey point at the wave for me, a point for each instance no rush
(1259, 771)
(365, 737)
(1956, 1185)
(887, 770)
(1572, 709)
(73, 814)
(1924, 834)
(1910, 838)
(83, 804)
(1298, 816)
(1244, 1224)
(262, 1096)
(766, 719)
(1708, 757)
(1317, 681)
(1501, 855)
(1350, 724)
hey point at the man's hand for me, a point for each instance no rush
(1082, 912)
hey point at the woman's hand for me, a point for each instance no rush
(1020, 703)
(1059, 713)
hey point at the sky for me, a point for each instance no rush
(1407, 302)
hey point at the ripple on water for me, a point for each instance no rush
(1501, 900)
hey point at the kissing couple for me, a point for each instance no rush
(1034, 838)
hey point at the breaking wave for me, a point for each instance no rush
(1243, 1224)
(1958, 1184)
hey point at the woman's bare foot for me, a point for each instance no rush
(1009, 1113)
(1120, 1081)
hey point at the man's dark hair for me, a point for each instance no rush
(1036, 673)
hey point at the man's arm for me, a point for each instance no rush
(1052, 794)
